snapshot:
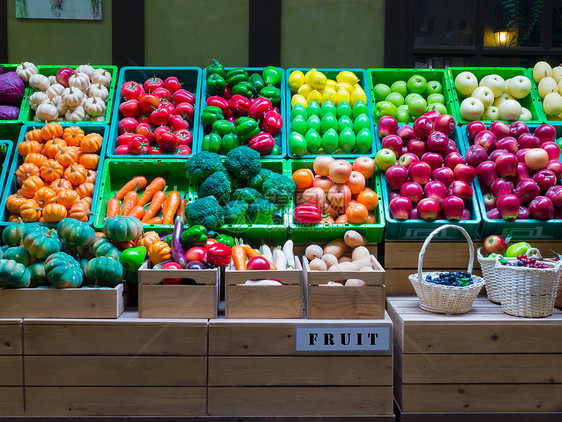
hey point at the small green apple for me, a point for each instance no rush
(395, 98)
(381, 91)
(417, 106)
(385, 159)
(519, 248)
(403, 114)
(437, 107)
(409, 98)
(436, 98)
(434, 87)
(417, 84)
(400, 87)
(385, 108)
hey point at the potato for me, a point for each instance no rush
(361, 253)
(367, 269)
(354, 239)
(318, 265)
(361, 263)
(329, 259)
(344, 266)
(313, 251)
(335, 247)
(354, 282)
(344, 259)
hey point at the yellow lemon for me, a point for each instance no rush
(314, 96)
(347, 77)
(318, 80)
(296, 79)
(299, 99)
(348, 87)
(358, 94)
(329, 94)
(342, 95)
(304, 90)
(330, 83)
(307, 75)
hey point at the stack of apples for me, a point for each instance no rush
(431, 179)
(549, 84)
(519, 171)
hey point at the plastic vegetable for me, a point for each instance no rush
(272, 75)
(211, 142)
(25, 70)
(239, 104)
(159, 252)
(122, 228)
(211, 114)
(76, 233)
(257, 81)
(216, 67)
(205, 211)
(224, 239)
(13, 275)
(235, 75)
(259, 107)
(94, 106)
(46, 111)
(194, 235)
(244, 88)
(307, 214)
(103, 271)
(18, 254)
(272, 93)
(258, 263)
(263, 143)
(103, 247)
(40, 245)
(101, 76)
(252, 253)
(272, 122)
(215, 84)
(80, 81)
(155, 205)
(219, 255)
(63, 271)
(243, 161)
(38, 275)
(178, 254)
(220, 102)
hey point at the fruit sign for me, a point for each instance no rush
(330, 339)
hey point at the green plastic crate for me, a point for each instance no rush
(10, 129)
(189, 77)
(306, 234)
(540, 109)
(7, 161)
(51, 71)
(526, 230)
(389, 76)
(416, 230)
(530, 101)
(117, 172)
(11, 180)
(279, 139)
(260, 233)
(330, 74)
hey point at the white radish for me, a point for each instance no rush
(279, 259)
(266, 252)
(262, 283)
(289, 254)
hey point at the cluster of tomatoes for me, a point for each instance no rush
(156, 118)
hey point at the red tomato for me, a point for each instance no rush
(153, 83)
(128, 124)
(124, 139)
(162, 93)
(122, 150)
(166, 140)
(131, 90)
(196, 253)
(177, 122)
(160, 116)
(146, 130)
(168, 106)
(160, 129)
(185, 137)
(171, 266)
(148, 102)
(144, 118)
(138, 144)
(155, 151)
(186, 111)
(129, 108)
(183, 96)
(182, 150)
(172, 84)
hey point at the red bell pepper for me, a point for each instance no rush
(307, 214)
(227, 92)
(259, 107)
(183, 96)
(239, 104)
(219, 102)
(272, 122)
(219, 255)
(263, 143)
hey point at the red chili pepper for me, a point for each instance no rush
(239, 104)
(219, 102)
(307, 214)
(263, 143)
(259, 107)
(272, 122)
(219, 255)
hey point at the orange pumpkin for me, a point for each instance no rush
(85, 189)
(90, 161)
(53, 213)
(14, 202)
(52, 147)
(51, 130)
(148, 239)
(30, 211)
(91, 178)
(44, 196)
(35, 158)
(159, 252)
(68, 198)
(73, 135)
(66, 156)
(59, 185)
(28, 147)
(26, 170)
(91, 143)
(51, 170)
(80, 211)
(88, 201)
(34, 135)
(31, 185)
(76, 174)
(14, 218)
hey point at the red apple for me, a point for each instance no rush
(465, 214)
(428, 209)
(420, 172)
(423, 126)
(323, 182)
(414, 214)
(387, 125)
(393, 195)
(501, 187)
(413, 191)
(506, 165)
(393, 142)
(541, 208)
(495, 244)
(527, 140)
(485, 139)
(453, 208)
(417, 147)
(509, 143)
(545, 179)
(396, 176)
(489, 201)
(521, 155)
(493, 214)
(496, 153)
(555, 195)
(465, 173)
(552, 149)
(340, 170)
(407, 159)
(517, 129)
(406, 132)
(476, 154)
(527, 190)
(486, 172)
(500, 129)
(555, 166)
(433, 115)
(435, 190)
(451, 147)
(434, 159)
(508, 206)
(404, 150)
(400, 208)
(461, 189)
(546, 133)
(445, 123)
(522, 172)
(473, 128)
(444, 175)
(454, 159)
(437, 142)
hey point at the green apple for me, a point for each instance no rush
(409, 98)
(395, 98)
(417, 106)
(385, 159)
(417, 84)
(434, 87)
(519, 248)
(381, 91)
(437, 107)
(401, 87)
(403, 114)
(385, 108)
(436, 98)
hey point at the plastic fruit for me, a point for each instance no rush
(465, 83)
(397, 175)
(340, 171)
(536, 158)
(413, 191)
(472, 109)
(339, 195)
(356, 213)
(356, 182)
(322, 164)
(485, 94)
(385, 159)
(365, 166)
(428, 209)
(541, 70)
(369, 198)
(519, 86)
(541, 208)
(495, 82)
(508, 206)
(303, 178)
(323, 182)
(400, 208)
(453, 208)
(495, 244)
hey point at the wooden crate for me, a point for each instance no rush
(483, 361)
(255, 370)
(178, 301)
(243, 301)
(11, 368)
(62, 303)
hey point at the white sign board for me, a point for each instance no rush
(343, 339)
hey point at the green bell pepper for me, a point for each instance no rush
(211, 142)
(246, 128)
(132, 260)
(233, 76)
(226, 240)
(222, 127)
(276, 150)
(195, 234)
(244, 88)
(272, 93)
(211, 114)
(229, 142)
(272, 75)
(215, 84)
(216, 68)
(257, 82)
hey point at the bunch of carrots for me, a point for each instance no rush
(128, 202)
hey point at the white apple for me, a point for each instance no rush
(491, 113)
(506, 88)
(465, 83)
(471, 109)
(495, 83)
(510, 110)
(546, 85)
(541, 70)
(552, 104)
(502, 98)
(519, 87)
(525, 114)
(557, 73)
(560, 86)
(484, 94)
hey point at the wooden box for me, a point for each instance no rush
(62, 303)
(483, 361)
(178, 301)
(244, 301)
(11, 368)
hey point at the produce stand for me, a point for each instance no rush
(11, 367)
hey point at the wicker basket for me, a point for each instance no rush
(528, 292)
(559, 297)
(445, 299)
(489, 273)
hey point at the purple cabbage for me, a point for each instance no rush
(9, 112)
(11, 89)
(1, 70)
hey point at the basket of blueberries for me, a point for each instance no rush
(447, 292)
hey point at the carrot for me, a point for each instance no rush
(252, 253)
(155, 206)
(137, 212)
(181, 208)
(155, 220)
(171, 206)
(157, 184)
(130, 201)
(112, 208)
(239, 257)
(136, 183)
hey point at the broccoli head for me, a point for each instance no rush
(256, 182)
(261, 211)
(205, 211)
(246, 194)
(279, 189)
(243, 162)
(235, 212)
(202, 164)
(217, 185)
(235, 182)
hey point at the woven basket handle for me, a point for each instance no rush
(433, 233)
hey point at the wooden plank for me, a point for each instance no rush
(264, 301)
(11, 371)
(115, 371)
(300, 371)
(10, 337)
(481, 397)
(289, 401)
(178, 301)
(293, 277)
(11, 401)
(165, 338)
(62, 303)
(147, 275)
(405, 255)
(328, 302)
(115, 401)
(481, 417)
